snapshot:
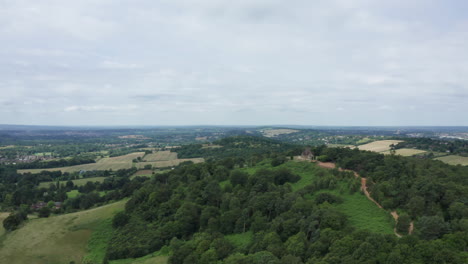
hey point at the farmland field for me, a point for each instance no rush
(406, 152)
(57, 239)
(167, 163)
(379, 146)
(79, 182)
(114, 163)
(454, 160)
(161, 156)
(277, 132)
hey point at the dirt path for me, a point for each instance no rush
(331, 165)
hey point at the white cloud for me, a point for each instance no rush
(224, 62)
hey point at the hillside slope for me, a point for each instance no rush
(57, 239)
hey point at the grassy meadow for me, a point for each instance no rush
(57, 239)
(454, 160)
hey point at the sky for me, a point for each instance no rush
(243, 62)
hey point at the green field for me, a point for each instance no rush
(361, 212)
(114, 163)
(78, 182)
(57, 239)
(454, 160)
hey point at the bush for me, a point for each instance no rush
(44, 212)
(12, 222)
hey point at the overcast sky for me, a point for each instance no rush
(251, 62)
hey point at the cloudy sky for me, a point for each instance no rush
(251, 62)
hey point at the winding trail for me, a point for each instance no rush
(331, 165)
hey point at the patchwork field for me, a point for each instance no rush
(78, 182)
(406, 152)
(277, 132)
(379, 146)
(161, 156)
(57, 239)
(114, 163)
(167, 163)
(454, 160)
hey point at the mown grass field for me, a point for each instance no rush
(379, 146)
(361, 212)
(167, 163)
(114, 163)
(78, 182)
(454, 160)
(407, 152)
(57, 239)
(161, 156)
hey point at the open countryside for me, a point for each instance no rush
(156, 160)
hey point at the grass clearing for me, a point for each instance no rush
(454, 160)
(362, 213)
(57, 239)
(73, 193)
(240, 241)
(78, 182)
(379, 146)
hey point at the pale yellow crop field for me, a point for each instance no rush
(379, 146)
(161, 156)
(454, 160)
(406, 152)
